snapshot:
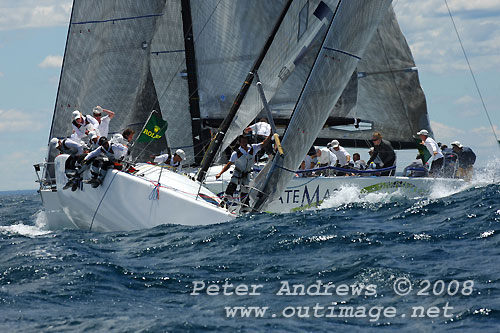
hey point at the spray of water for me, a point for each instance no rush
(352, 194)
(27, 230)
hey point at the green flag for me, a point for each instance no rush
(422, 150)
(155, 129)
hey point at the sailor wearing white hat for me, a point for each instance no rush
(433, 148)
(75, 150)
(466, 160)
(102, 121)
(82, 126)
(174, 161)
(343, 157)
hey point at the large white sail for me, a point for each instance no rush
(352, 28)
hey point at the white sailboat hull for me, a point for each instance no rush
(307, 192)
(130, 201)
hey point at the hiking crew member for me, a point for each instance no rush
(384, 151)
(243, 159)
(437, 156)
(174, 161)
(104, 158)
(103, 122)
(466, 160)
(76, 153)
(82, 126)
(73, 149)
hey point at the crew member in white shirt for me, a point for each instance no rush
(82, 126)
(174, 161)
(308, 163)
(343, 157)
(103, 121)
(261, 130)
(326, 158)
(437, 156)
(76, 153)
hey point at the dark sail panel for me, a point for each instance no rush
(388, 92)
(168, 66)
(107, 62)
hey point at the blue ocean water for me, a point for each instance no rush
(445, 248)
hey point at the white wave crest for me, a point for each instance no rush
(352, 194)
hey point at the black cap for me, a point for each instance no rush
(102, 141)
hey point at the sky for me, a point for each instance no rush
(33, 35)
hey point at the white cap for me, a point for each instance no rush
(181, 154)
(457, 143)
(76, 114)
(54, 142)
(97, 110)
(334, 144)
(93, 135)
(423, 132)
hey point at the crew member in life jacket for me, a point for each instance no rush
(82, 126)
(104, 158)
(174, 161)
(76, 153)
(243, 159)
(437, 156)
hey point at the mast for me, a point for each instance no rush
(192, 78)
(217, 141)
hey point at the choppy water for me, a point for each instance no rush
(143, 281)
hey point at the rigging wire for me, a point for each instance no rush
(472, 74)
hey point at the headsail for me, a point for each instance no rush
(389, 97)
(352, 27)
